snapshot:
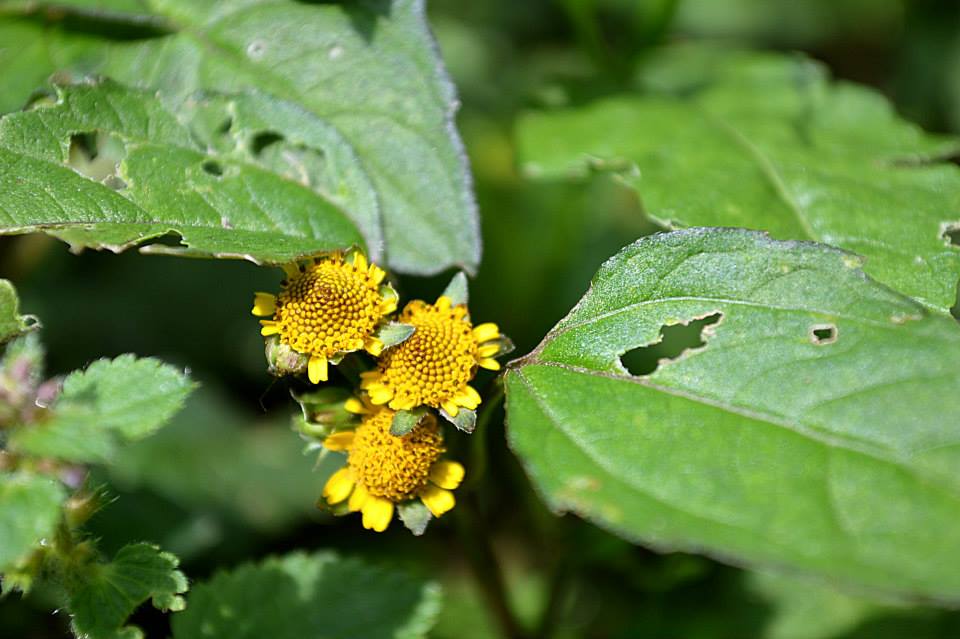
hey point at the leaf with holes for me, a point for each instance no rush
(29, 512)
(149, 178)
(319, 595)
(103, 595)
(771, 144)
(770, 445)
(100, 408)
(348, 104)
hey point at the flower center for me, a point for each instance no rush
(437, 361)
(394, 468)
(329, 308)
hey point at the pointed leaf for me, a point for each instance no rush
(415, 516)
(770, 444)
(458, 289)
(11, 322)
(405, 421)
(466, 419)
(394, 333)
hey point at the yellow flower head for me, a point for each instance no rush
(328, 308)
(434, 366)
(383, 470)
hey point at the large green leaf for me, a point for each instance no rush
(29, 512)
(350, 101)
(219, 202)
(109, 403)
(11, 322)
(104, 595)
(818, 428)
(769, 143)
(319, 595)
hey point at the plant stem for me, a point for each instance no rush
(475, 539)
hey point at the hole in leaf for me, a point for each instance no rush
(675, 340)
(97, 155)
(822, 334)
(951, 233)
(225, 126)
(212, 168)
(263, 140)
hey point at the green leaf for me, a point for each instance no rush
(394, 333)
(415, 516)
(350, 99)
(771, 144)
(405, 421)
(110, 403)
(11, 322)
(458, 289)
(833, 453)
(157, 180)
(29, 512)
(319, 595)
(465, 420)
(106, 594)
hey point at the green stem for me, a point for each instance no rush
(475, 539)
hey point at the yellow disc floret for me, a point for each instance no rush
(328, 308)
(434, 366)
(383, 469)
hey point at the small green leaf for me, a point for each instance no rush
(300, 595)
(405, 421)
(29, 512)
(106, 594)
(815, 429)
(768, 142)
(109, 403)
(458, 289)
(415, 516)
(11, 322)
(394, 333)
(466, 419)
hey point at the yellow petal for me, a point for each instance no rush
(269, 328)
(373, 346)
(291, 271)
(486, 332)
(388, 306)
(444, 303)
(377, 513)
(488, 349)
(380, 394)
(403, 403)
(360, 261)
(338, 487)
(264, 304)
(358, 498)
(317, 369)
(472, 394)
(369, 378)
(489, 364)
(376, 274)
(447, 474)
(451, 407)
(437, 500)
(355, 406)
(339, 441)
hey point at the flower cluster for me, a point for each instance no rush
(424, 359)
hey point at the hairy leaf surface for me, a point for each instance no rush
(106, 594)
(818, 428)
(349, 101)
(108, 404)
(300, 595)
(770, 143)
(29, 511)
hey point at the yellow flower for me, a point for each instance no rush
(328, 308)
(383, 470)
(434, 366)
